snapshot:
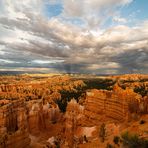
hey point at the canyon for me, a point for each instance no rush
(68, 111)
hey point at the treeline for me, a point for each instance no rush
(142, 90)
(66, 96)
(79, 90)
(99, 83)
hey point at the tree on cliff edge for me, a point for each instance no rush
(102, 132)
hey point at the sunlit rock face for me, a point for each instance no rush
(28, 112)
(13, 125)
(74, 113)
(41, 116)
(102, 104)
(19, 119)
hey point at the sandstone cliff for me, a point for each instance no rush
(103, 104)
(13, 125)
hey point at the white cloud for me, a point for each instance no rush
(103, 65)
(93, 12)
(7, 61)
(119, 19)
(47, 61)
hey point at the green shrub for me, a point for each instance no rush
(133, 141)
(125, 137)
(57, 144)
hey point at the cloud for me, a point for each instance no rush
(119, 19)
(46, 62)
(30, 39)
(76, 8)
(94, 12)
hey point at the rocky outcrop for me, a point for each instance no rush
(41, 116)
(74, 113)
(103, 104)
(27, 106)
(28, 109)
(13, 125)
(20, 118)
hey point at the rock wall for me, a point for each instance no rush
(13, 125)
(18, 119)
(74, 113)
(102, 104)
(41, 116)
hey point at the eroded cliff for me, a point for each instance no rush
(61, 111)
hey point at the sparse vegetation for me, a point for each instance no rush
(142, 121)
(99, 83)
(109, 145)
(66, 95)
(102, 132)
(142, 90)
(62, 104)
(57, 144)
(116, 140)
(133, 141)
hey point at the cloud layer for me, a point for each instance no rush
(30, 39)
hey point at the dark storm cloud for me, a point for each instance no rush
(133, 61)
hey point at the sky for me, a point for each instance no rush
(74, 36)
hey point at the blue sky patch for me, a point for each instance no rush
(53, 10)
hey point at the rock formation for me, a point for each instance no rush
(33, 108)
(110, 104)
(13, 125)
(74, 113)
(40, 116)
